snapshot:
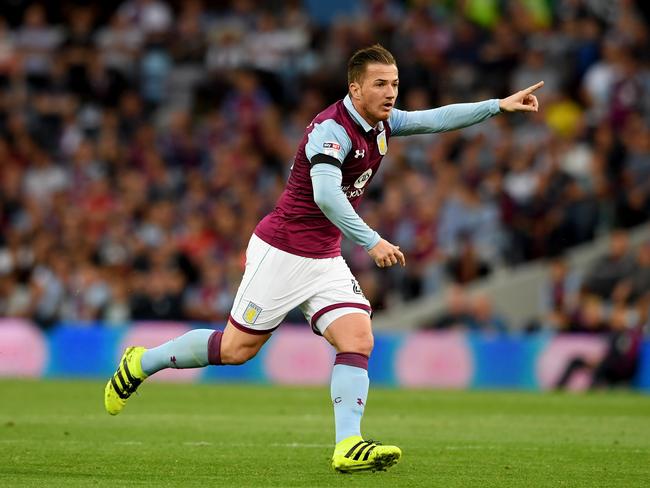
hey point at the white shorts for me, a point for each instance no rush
(276, 282)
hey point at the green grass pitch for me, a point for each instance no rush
(56, 434)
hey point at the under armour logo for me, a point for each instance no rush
(359, 153)
(359, 401)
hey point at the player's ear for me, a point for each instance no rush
(355, 90)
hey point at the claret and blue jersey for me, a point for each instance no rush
(341, 152)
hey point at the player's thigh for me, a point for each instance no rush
(351, 333)
(274, 283)
(338, 295)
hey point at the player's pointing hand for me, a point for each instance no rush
(522, 101)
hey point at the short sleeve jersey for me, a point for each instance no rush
(339, 136)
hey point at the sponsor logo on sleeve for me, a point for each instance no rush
(332, 149)
(332, 145)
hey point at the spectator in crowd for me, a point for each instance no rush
(589, 317)
(484, 318)
(472, 312)
(609, 270)
(457, 312)
(635, 286)
(466, 265)
(620, 361)
(560, 292)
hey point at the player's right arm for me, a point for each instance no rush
(327, 146)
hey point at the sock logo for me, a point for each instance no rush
(337, 400)
(359, 401)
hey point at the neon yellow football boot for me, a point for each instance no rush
(125, 381)
(354, 454)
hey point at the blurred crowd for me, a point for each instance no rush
(610, 298)
(612, 294)
(141, 142)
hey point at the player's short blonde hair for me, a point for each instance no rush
(363, 57)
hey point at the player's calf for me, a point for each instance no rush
(236, 346)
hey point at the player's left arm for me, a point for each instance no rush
(459, 115)
(326, 181)
(327, 146)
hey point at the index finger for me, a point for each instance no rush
(531, 89)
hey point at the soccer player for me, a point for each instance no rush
(294, 256)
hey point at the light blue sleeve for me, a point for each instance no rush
(330, 138)
(326, 181)
(441, 119)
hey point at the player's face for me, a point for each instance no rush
(374, 97)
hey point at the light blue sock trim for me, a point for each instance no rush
(187, 351)
(349, 389)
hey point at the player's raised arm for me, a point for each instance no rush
(459, 115)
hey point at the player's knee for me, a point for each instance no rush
(363, 344)
(367, 345)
